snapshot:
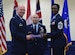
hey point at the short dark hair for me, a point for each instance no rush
(58, 6)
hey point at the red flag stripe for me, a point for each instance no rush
(28, 17)
(15, 4)
(28, 10)
(3, 45)
(38, 10)
(39, 14)
(2, 35)
(3, 28)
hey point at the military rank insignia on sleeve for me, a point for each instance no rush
(60, 25)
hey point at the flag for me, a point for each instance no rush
(52, 2)
(28, 16)
(38, 10)
(15, 6)
(65, 16)
(3, 45)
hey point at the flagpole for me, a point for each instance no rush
(65, 52)
(65, 16)
(0, 50)
(52, 2)
(51, 51)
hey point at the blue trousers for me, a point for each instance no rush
(58, 51)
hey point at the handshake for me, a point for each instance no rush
(31, 36)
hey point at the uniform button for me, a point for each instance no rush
(35, 39)
(35, 43)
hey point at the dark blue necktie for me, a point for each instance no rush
(35, 28)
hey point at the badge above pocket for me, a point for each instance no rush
(53, 23)
(20, 24)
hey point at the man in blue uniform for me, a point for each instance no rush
(37, 42)
(58, 41)
(18, 32)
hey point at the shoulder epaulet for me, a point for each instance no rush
(29, 24)
(41, 24)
